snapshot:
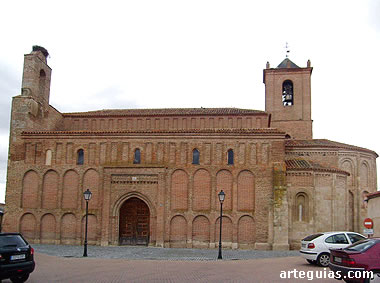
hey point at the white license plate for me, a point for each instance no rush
(16, 257)
(337, 259)
(304, 245)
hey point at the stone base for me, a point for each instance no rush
(262, 246)
(104, 243)
(280, 247)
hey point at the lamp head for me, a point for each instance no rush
(87, 195)
(221, 196)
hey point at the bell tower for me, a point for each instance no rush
(288, 98)
(36, 76)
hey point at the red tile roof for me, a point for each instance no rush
(306, 165)
(158, 132)
(324, 143)
(373, 195)
(166, 112)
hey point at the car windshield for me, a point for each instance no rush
(11, 241)
(361, 246)
(312, 237)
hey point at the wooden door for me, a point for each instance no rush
(134, 223)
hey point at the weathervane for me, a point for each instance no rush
(287, 50)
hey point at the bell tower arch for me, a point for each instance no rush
(288, 98)
(36, 76)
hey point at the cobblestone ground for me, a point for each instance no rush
(153, 253)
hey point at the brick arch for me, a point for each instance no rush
(178, 232)
(48, 229)
(179, 190)
(30, 190)
(70, 189)
(301, 199)
(91, 181)
(202, 190)
(351, 211)
(91, 229)
(224, 181)
(50, 190)
(246, 191)
(364, 174)
(28, 226)
(68, 228)
(227, 229)
(201, 232)
(347, 165)
(246, 231)
(120, 201)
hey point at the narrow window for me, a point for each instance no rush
(195, 156)
(80, 157)
(300, 212)
(230, 157)
(287, 93)
(301, 207)
(48, 157)
(137, 159)
(42, 82)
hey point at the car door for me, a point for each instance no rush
(337, 241)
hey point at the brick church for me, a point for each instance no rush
(155, 174)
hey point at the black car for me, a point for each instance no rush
(16, 257)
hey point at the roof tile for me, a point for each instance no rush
(324, 143)
(307, 165)
(165, 112)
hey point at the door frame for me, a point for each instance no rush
(127, 208)
(115, 217)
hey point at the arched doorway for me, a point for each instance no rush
(134, 223)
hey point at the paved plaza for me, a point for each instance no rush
(120, 264)
(153, 253)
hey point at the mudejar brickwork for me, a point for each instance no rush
(155, 173)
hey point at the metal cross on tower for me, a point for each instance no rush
(287, 50)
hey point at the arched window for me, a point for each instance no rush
(195, 156)
(287, 93)
(230, 157)
(42, 82)
(48, 157)
(137, 158)
(301, 208)
(80, 157)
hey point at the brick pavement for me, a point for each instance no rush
(61, 269)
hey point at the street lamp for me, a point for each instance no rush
(221, 196)
(87, 196)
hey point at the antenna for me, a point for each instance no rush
(287, 50)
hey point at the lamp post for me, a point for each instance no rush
(87, 196)
(221, 196)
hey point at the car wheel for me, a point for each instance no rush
(19, 278)
(323, 259)
(376, 277)
(311, 261)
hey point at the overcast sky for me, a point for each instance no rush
(163, 54)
